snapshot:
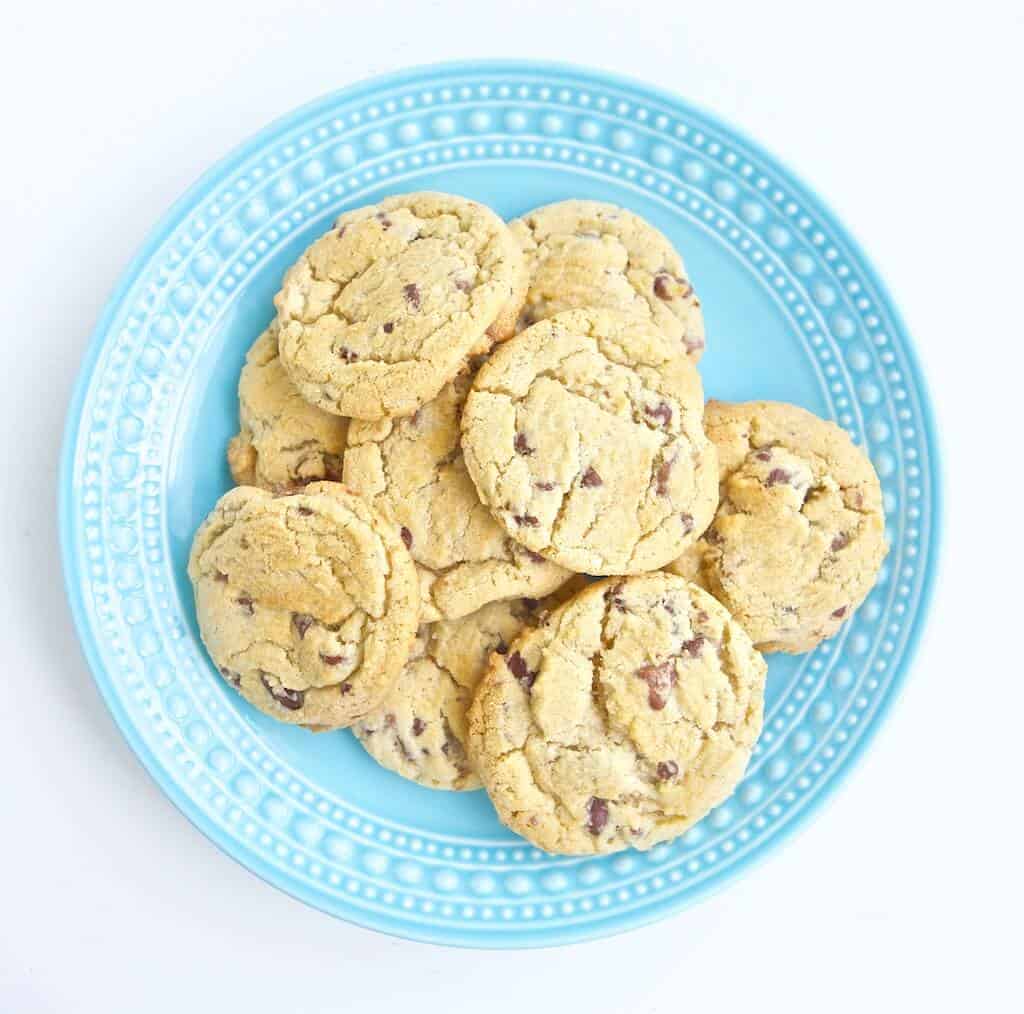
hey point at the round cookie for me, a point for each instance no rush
(307, 603)
(412, 470)
(381, 312)
(283, 442)
(419, 731)
(586, 253)
(622, 720)
(799, 535)
(583, 436)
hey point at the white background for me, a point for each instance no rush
(906, 891)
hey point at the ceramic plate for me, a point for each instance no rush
(794, 312)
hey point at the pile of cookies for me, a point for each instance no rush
(485, 519)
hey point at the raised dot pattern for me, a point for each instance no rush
(349, 861)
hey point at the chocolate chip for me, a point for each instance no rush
(531, 604)
(385, 222)
(535, 557)
(841, 541)
(546, 486)
(305, 511)
(661, 412)
(418, 725)
(346, 355)
(694, 647)
(290, 699)
(301, 622)
(412, 295)
(713, 536)
(591, 478)
(525, 520)
(518, 667)
(463, 285)
(663, 287)
(660, 679)
(597, 814)
(406, 537)
(522, 445)
(687, 520)
(341, 231)
(219, 575)
(332, 660)
(234, 678)
(777, 476)
(246, 603)
(839, 613)
(661, 476)
(667, 770)
(765, 455)
(501, 648)
(345, 688)
(389, 326)
(613, 596)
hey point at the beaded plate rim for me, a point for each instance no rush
(606, 922)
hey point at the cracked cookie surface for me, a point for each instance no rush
(412, 470)
(420, 729)
(307, 603)
(382, 311)
(587, 253)
(283, 442)
(583, 436)
(622, 720)
(799, 535)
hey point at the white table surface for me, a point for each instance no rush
(905, 891)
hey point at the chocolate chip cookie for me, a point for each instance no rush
(283, 442)
(583, 436)
(308, 603)
(585, 253)
(419, 731)
(381, 312)
(799, 535)
(622, 720)
(412, 470)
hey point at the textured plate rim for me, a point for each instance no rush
(227, 843)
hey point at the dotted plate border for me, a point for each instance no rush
(156, 680)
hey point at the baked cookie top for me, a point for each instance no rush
(412, 470)
(378, 314)
(583, 436)
(622, 720)
(308, 603)
(283, 442)
(587, 253)
(799, 535)
(420, 729)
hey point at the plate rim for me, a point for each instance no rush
(234, 847)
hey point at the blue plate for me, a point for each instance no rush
(794, 312)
